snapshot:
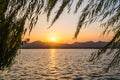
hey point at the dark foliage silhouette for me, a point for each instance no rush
(15, 13)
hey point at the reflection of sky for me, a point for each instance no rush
(64, 28)
(52, 58)
(52, 63)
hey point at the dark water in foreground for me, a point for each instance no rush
(57, 64)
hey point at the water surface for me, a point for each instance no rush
(57, 64)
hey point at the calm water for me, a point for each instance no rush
(58, 64)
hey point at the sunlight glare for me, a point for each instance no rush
(53, 39)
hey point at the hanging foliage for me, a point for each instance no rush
(15, 13)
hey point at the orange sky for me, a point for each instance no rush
(64, 29)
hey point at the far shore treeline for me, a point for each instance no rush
(75, 45)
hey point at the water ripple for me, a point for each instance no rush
(57, 64)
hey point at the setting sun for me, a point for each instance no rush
(53, 39)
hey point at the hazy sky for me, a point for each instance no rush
(64, 28)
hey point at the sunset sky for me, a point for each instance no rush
(64, 29)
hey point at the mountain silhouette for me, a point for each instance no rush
(40, 45)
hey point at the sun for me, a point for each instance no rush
(53, 39)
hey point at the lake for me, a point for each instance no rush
(58, 64)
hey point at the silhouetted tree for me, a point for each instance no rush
(15, 13)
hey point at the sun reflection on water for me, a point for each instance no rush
(52, 68)
(53, 58)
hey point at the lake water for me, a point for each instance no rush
(58, 64)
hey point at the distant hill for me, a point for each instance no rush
(90, 44)
(43, 45)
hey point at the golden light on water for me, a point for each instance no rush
(52, 58)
